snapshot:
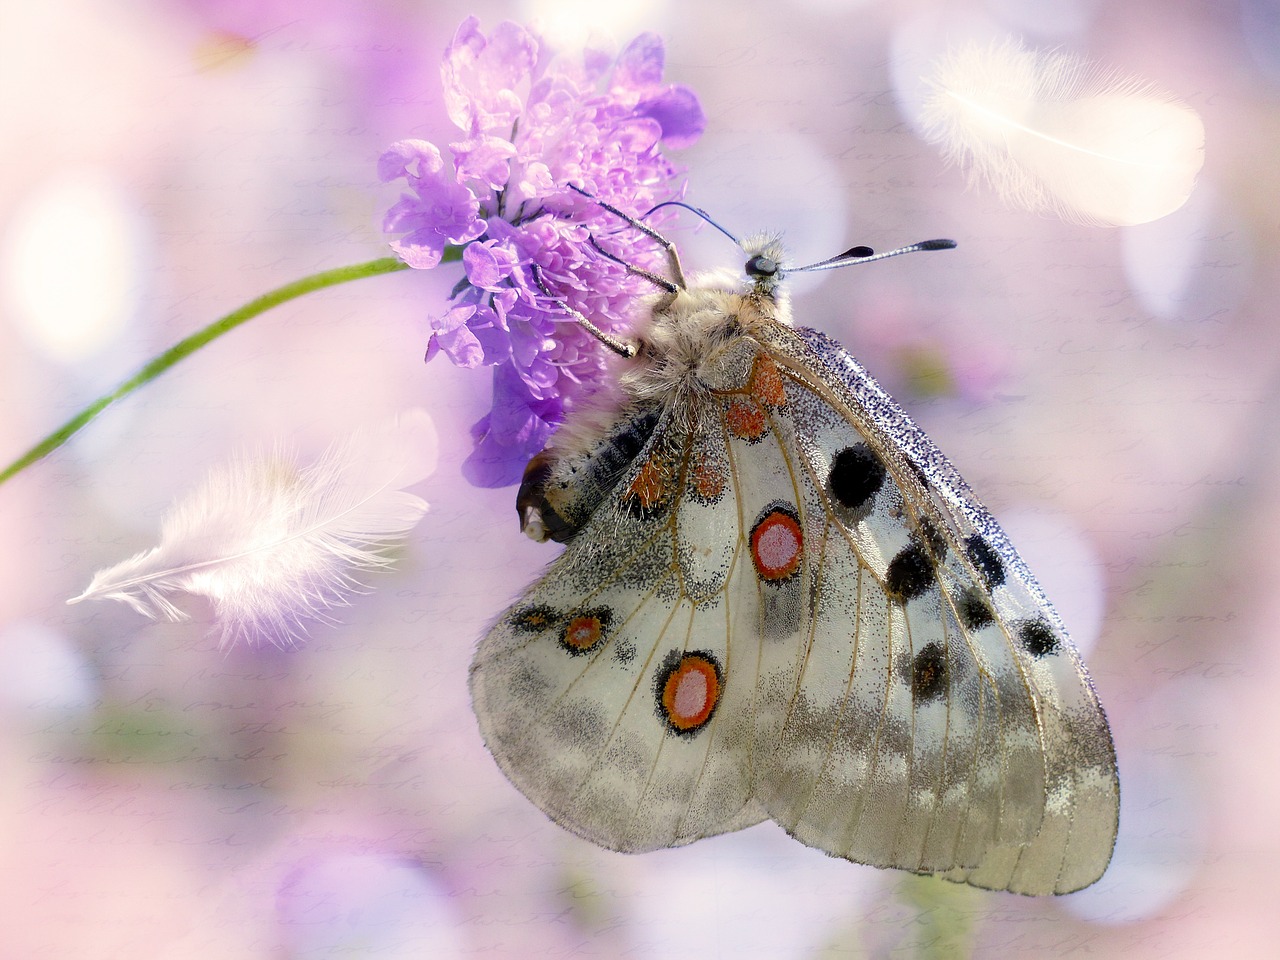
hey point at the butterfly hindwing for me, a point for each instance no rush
(610, 736)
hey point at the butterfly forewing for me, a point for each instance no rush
(787, 604)
(1042, 798)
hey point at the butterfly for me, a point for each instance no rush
(778, 600)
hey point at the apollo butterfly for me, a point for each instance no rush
(778, 600)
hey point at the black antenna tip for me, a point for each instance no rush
(937, 244)
(856, 253)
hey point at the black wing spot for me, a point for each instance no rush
(1037, 638)
(910, 573)
(987, 561)
(929, 674)
(856, 476)
(933, 539)
(973, 609)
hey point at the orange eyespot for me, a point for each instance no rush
(777, 544)
(688, 690)
(586, 631)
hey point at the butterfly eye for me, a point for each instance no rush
(761, 266)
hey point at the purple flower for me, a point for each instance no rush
(532, 125)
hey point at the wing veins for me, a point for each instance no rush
(863, 568)
(662, 743)
(946, 744)
(640, 675)
(737, 553)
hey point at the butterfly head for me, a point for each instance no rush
(766, 265)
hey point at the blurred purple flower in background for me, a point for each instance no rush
(533, 124)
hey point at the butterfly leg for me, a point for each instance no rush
(622, 348)
(673, 257)
(659, 282)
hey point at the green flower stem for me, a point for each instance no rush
(184, 348)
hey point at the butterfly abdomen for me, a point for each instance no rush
(562, 489)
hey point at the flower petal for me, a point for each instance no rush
(453, 318)
(505, 439)
(461, 346)
(442, 212)
(419, 252)
(678, 112)
(487, 264)
(401, 156)
(484, 158)
(640, 63)
(481, 76)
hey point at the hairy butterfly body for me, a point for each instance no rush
(778, 600)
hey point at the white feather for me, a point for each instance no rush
(271, 543)
(1051, 133)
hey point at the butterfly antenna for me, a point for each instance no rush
(673, 259)
(862, 254)
(697, 211)
(623, 348)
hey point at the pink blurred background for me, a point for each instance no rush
(1111, 394)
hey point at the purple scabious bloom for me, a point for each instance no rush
(532, 124)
